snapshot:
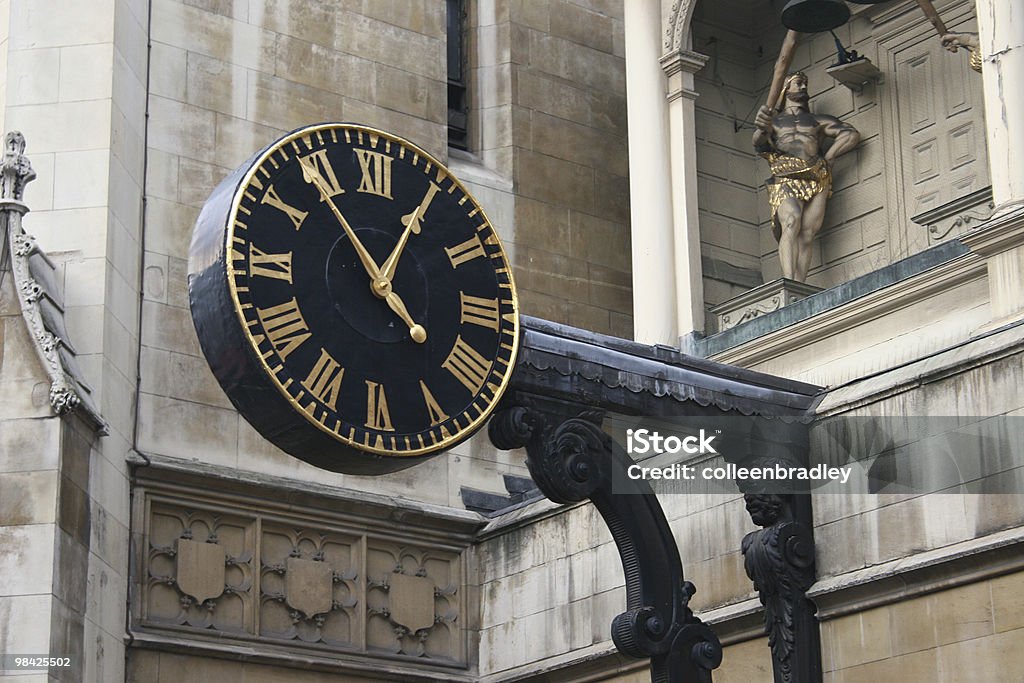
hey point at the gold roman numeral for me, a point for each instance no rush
(378, 416)
(270, 265)
(324, 380)
(437, 415)
(271, 197)
(284, 326)
(317, 170)
(467, 365)
(467, 251)
(479, 311)
(376, 168)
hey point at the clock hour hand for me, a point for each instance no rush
(416, 331)
(412, 224)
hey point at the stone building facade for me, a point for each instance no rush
(180, 545)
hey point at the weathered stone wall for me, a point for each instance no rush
(229, 78)
(551, 118)
(973, 632)
(74, 77)
(729, 173)
(29, 476)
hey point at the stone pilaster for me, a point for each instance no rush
(650, 180)
(1001, 33)
(680, 66)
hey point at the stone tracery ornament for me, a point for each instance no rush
(30, 268)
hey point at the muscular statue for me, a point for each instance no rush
(801, 181)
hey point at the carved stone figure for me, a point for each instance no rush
(792, 142)
(779, 559)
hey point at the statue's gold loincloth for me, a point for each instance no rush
(797, 178)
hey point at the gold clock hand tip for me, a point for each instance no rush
(419, 335)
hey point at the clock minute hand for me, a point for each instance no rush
(368, 263)
(412, 224)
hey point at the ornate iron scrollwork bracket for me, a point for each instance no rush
(779, 558)
(571, 460)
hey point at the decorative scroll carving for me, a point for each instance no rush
(572, 459)
(779, 559)
(36, 287)
(958, 216)
(760, 300)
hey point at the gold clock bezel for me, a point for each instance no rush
(441, 171)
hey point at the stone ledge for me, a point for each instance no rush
(928, 572)
(165, 474)
(842, 308)
(262, 653)
(980, 350)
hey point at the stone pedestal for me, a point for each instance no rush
(768, 297)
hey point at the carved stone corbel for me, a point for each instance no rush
(571, 459)
(779, 559)
(32, 272)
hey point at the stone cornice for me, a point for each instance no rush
(683, 60)
(1001, 233)
(959, 564)
(173, 475)
(679, 66)
(842, 318)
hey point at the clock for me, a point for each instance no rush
(353, 299)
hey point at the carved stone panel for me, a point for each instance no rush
(412, 601)
(228, 569)
(308, 591)
(767, 298)
(199, 569)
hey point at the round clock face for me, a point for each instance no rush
(372, 309)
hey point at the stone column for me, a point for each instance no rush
(650, 185)
(1001, 33)
(679, 66)
(1001, 239)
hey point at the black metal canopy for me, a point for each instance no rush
(623, 376)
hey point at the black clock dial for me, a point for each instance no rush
(363, 305)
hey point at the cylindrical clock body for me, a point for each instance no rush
(353, 300)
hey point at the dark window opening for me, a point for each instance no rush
(458, 109)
